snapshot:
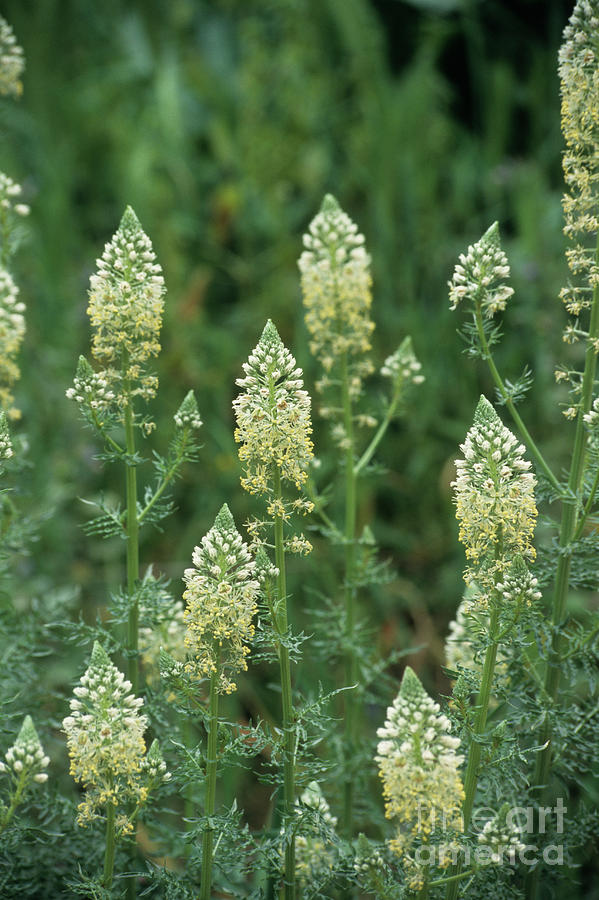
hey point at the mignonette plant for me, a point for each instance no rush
(217, 744)
(336, 288)
(126, 300)
(108, 752)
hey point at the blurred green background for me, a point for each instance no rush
(223, 124)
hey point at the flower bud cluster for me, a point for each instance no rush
(188, 414)
(221, 594)
(403, 368)
(314, 855)
(459, 652)
(10, 192)
(494, 495)
(591, 420)
(479, 276)
(336, 284)
(12, 61)
(368, 859)
(419, 766)
(6, 450)
(90, 389)
(126, 301)
(503, 838)
(518, 584)
(167, 635)
(12, 331)
(578, 68)
(471, 621)
(25, 761)
(105, 742)
(273, 417)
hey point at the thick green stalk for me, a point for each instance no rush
(351, 662)
(287, 700)
(474, 753)
(568, 530)
(132, 553)
(132, 580)
(110, 846)
(211, 766)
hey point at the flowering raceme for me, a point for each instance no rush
(106, 744)
(273, 417)
(494, 494)
(579, 78)
(479, 275)
(221, 594)
(419, 766)
(314, 855)
(12, 331)
(126, 301)
(12, 61)
(336, 284)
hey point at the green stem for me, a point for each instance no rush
(451, 878)
(474, 753)
(351, 661)
(109, 440)
(164, 483)
(487, 355)
(378, 436)
(211, 766)
(567, 533)
(16, 799)
(318, 508)
(132, 553)
(110, 846)
(132, 580)
(587, 507)
(188, 799)
(281, 625)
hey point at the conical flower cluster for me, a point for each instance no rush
(106, 744)
(168, 636)
(419, 766)
(12, 61)
(24, 763)
(12, 331)
(221, 594)
(403, 368)
(336, 284)
(480, 275)
(126, 301)
(273, 417)
(579, 78)
(26, 759)
(502, 838)
(494, 495)
(314, 850)
(91, 390)
(518, 585)
(188, 414)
